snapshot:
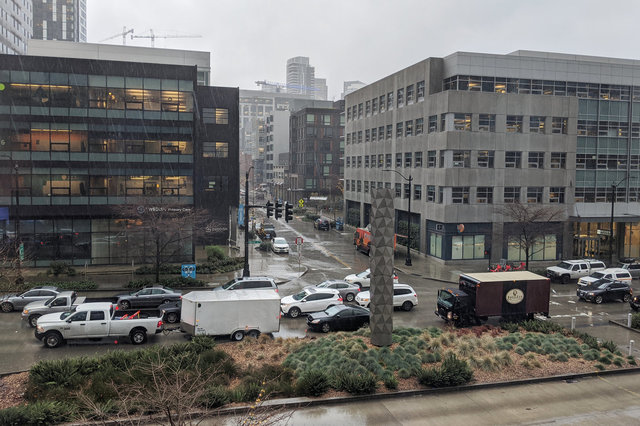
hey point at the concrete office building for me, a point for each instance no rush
(60, 20)
(90, 135)
(478, 131)
(277, 141)
(16, 26)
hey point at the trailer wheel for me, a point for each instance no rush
(254, 334)
(565, 279)
(237, 335)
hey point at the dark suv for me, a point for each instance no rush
(605, 290)
(321, 223)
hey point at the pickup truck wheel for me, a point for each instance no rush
(237, 335)
(407, 306)
(138, 336)
(626, 298)
(565, 279)
(172, 318)
(598, 299)
(6, 307)
(294, 312)
(125, 304)
(349, 297)
(325, 327)
(52, 339)
(33, 320)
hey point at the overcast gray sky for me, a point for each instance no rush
(365, 40)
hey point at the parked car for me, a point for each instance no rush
(635, 303)
(148, 297)
(605, 290)
(617, 274)
(631, 265)
(347, 291)
(338, 318)
(267, 231)
(568, 270)
(280, 245)
(12, 302)
(363, 279)
(64, 301)
(249, 283)
(339, 224)
(309, 300)
(321, 223)
(171, 310)
(404, 296)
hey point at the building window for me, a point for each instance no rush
(367, 135)
(348, 185)
(398, 159)
(398, 190)
(360, 110)
(366, 186)
(368, 108)
(542, 249)
(559, 160)
(536, 160)
(359, 161)
(485, 159)
(559, 125)
(348, 162)
(467, 247)
(389, 131)
(215, 184)
(487, 123)
(359, 136)
(514, 124)
(349, 114)
(484, 195)
(431, 159)
(366, 161)
(389, 101)
(556, 194)
(460, 195)
(215, 149)
(443, 122)
(511, 194)
(380, 160)
(420, 90)
(417, 159)
(408, 159)
(215, 115)
(359, 183)
(431, 193)
(417, 192)
(410, 94)
(383, 103)
(374, 134)
(348, 138)
(462, 122)
(433, 123)
(419, 126)
(387, 185)
(387, 161)
(536, 124)
(441, 165)
(311, 119)
(407, 191)
(400, 97)
(534, 194)
(461, 158)
(513, 159)
(408, 128)
(374, 105)
(399, 130)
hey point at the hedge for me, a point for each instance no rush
(174, 282)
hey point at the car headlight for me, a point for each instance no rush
(26, 311)
(315, 321)
(364, 299)
(591, 294)
(40, 329)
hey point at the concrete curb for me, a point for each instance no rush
(11, 373)
(623, 325)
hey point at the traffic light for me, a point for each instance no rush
(278, 209)
(269, 209)
(287, 211)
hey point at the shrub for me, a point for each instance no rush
(38, 413)
(452, 372)
(599, 367)
(389, 380)
(610, 346)
(265, 246)
(635, 320)
(312, 383)
(215, 396)
(59, 267)
(175, 282)
(215, 253)
(67, 285)
(356, 383)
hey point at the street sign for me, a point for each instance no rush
(604, 232)
(189, 271)
(21, 252)
(301, 203)
(255, 242)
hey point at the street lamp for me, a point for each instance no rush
(407, 261)
(245, 271)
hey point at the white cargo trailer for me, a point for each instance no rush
(234, 313)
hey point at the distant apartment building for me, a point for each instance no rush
(350, 87)
(277, 141)
(16, 26)
(316, 151)
(301, 77)
(60, 20)
(477, 132)
(321, 89)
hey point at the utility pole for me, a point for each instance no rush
(245, 271)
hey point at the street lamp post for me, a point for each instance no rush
(245, 271)
(407, 261)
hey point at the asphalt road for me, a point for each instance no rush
(325, 255)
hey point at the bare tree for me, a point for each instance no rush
(10, 265)
(529, 225)
(159, 232)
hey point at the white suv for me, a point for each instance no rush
(617, 274)
(404, 296)
(309, 300)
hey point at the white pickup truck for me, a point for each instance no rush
(94, 321)
(574, 269)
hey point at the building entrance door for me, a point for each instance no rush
(586, 247)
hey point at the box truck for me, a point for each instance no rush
(233, 313)
(511, 295)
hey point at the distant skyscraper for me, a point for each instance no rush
(60, 20)
(300, 76)
(351, 86)
(16, 25)
(322, 91)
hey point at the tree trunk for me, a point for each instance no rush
(526, 254)
(157, 258)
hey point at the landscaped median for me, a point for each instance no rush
(201, 375)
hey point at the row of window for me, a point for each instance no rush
(460, 122)
(459, 159)
(607, 128)
(404, 96)
(541, 87)
(461, 194)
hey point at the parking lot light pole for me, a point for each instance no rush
(407, 261)
(245, 271)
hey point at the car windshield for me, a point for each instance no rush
(334, 310)
(363, 274)
(279, 241)
(324, 284)
(299, 296)
(564, 265)
(48, 302)
(230, 283)
(597, 275)
(66, 314)
(446, 297)
(602, 286)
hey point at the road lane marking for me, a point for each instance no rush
(636, 394)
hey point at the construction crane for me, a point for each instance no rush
(279, 86)
(124, 33)
(153, 36)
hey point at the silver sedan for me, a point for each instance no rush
(347, 291)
